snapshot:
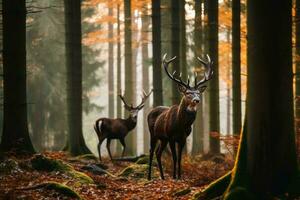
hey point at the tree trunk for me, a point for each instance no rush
(119, 104)
(197, 146)
(15, 134)
(156, 52)
(182, 56)
(175, 28)
(236, 67)
(266, 166)
(297, 76)
(145, 71)
(111, 94)
(129, 87)
(212, 10)
(76, 143)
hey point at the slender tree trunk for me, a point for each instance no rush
(182, 56)
(197, 146)
(76, 143)
(297, 76)
(175, 26)
(145, 71)
(228, 117)
(129, 87)
(156, 52)
(111, 94)
(236, 67)
(212, 10)
(15, 134)
(119, 104)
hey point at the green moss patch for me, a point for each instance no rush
(136, 171)
(43, 163)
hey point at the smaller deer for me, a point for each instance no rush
(173, 124)
(109, 129)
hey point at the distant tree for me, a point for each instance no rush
(111, 94)
(214, 122)
(145, 72)
(236, 67)
(76, 143)
(129, 87)
(156, 52)
(15, 136)
(175, 42)
(182, 24)
(266, 166)
(197, 146)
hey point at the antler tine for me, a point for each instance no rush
(207, 74)
(145, 96)
(165, 63)
(123, 100)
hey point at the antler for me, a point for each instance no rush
(207, 74)
(171, 76)
(127, 107)
(145, 96)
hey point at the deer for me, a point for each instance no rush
(107, 128)
(173, 124)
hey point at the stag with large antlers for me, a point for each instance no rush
(118, 128)
(173, 124)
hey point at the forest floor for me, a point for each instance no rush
(55, 175)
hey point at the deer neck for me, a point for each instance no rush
(131, 123)
(184, 115)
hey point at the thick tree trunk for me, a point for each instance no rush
(266, 166)
(76, 143)
(129, 87)
(15, 134)
(236, 67)
(212, 10)
(145, 71)
(156, 52)
(175, 28)
(197, 146)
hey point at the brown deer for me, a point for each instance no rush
(173, 124)
(109, 129)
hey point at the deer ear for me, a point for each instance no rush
(202, 88)
(181, 88)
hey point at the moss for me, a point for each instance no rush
(238, 193)
(214, 189)
(43, 163)
(62, 189)
(182, 192)
(145, 160)
(135, 171)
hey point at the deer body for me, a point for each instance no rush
(172, 125)
(109, 129)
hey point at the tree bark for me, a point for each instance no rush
(175, 29)
(212, 10)
(76, 143)
(156, 52)
(197, 146)
(297, 75)
(236, 67)
(129, 87)
(15, 136)
(111, 94)
(145, 72)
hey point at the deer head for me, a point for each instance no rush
(134, 110)
(192, 94)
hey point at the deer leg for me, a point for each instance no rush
(151, 152)
(158, 153)
(124, 146)
(108, 148)
(101, 139)
(173, 150)
(180, 148)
